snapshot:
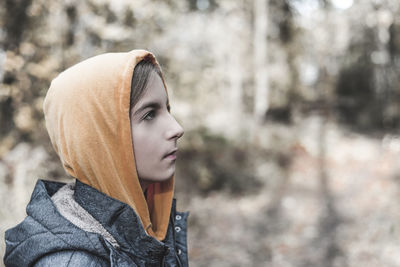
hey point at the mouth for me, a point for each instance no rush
(171, 155)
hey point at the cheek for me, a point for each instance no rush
(142, 144)
(149, 147)
(145, 149)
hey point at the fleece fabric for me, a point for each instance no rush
(67, 206)
(87, 117)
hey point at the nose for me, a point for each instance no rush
(175, 130)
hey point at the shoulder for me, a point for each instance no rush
(69, 258)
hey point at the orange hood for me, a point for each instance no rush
(87, 117)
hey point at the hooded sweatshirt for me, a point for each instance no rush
(102, 219)
(87, 117)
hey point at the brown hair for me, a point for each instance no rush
(140, 78)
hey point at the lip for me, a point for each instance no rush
(171, 154)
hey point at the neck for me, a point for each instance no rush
(144, 185)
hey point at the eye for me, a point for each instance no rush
(149, 115)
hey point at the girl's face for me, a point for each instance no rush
(155, 133)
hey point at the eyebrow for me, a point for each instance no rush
(152, 104)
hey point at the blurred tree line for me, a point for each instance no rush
(242, 75)
(231, 66)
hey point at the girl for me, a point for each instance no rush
(109, 121)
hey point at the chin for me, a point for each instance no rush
(168, 177)
(168, 174)
(158, 179)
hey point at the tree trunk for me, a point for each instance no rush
(260, 59)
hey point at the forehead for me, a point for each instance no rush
(154, 92)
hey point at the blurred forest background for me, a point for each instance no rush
(291, 155)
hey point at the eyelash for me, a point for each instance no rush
(151, 113)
